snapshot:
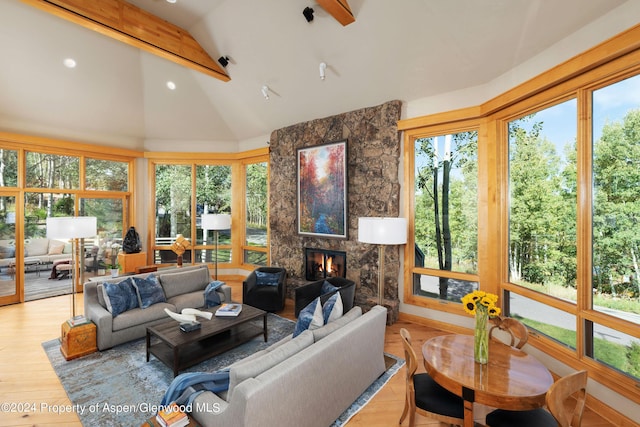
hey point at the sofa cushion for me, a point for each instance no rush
(100, 292)
(184, 282)
(120, 296)
(148, 290)
(332, 309)
(264, 278)
(188, 300)
(327, 329)
(7, 252)
(138, 316)
(55, 247)
(310, 317)
(36, 247)
(253, 367)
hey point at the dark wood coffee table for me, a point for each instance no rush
(180, 350)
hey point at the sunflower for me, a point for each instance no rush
(480, 300)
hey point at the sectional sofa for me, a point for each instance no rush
(181, 288)
(306, 381)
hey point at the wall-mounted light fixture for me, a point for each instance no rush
(265, 91)
(308, 14)
(70, 63)
(224, 61)
(323, 68)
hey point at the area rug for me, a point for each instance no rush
(117, 387)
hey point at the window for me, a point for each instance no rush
(173, 209)
(552, 322)
(8, 168)
(616, 199)
(213, 195)
(56, 184)
(234, 185)
(256, 214)
(45, 170)
(446, 213)
(542, 200)
(558, 191)
(106, 175)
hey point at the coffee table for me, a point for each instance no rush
(180, 350)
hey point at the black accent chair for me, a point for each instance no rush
(265, 297)
(307, 293)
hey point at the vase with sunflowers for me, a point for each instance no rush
(482, 305)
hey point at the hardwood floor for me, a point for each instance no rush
(36, 397)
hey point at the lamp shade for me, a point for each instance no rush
(216, 221)
(382, 231)
(71, 227)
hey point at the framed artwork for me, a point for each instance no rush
(322, 190)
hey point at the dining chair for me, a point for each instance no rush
(562, 412)
(425, 396)
(513, 327)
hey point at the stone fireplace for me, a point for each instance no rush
(323, 263)
(373, 189)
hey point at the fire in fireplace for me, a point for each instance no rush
(323, 263)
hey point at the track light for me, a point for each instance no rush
(323, 68)
(265, 91)
(308, 14)
(223, 60)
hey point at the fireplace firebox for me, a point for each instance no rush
(323, 263)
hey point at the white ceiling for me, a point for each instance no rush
(407, 50)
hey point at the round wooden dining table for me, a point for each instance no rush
(511, 379)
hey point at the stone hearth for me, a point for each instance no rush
(373, 190)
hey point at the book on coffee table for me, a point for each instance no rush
(172, 417)
(229, 310)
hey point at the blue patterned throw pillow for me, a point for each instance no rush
(120, 296)
(211, 296)
(148, 290)
(332, 309)
(267, 279)
(310, 317)
(327, 287)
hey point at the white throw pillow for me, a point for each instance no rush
(310, 317)
(332, 308)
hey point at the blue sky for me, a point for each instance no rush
(560, 122)
(610, 104)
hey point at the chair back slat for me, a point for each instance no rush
(517, 331)
(572, 385)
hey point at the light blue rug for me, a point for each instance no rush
(117, 387)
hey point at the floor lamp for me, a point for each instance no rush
(215, 222)
(76, 229)
(382, 232)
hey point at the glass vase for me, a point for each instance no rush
(481, 337)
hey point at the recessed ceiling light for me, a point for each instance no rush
(69, 63)
(171, 85)
(171, 1)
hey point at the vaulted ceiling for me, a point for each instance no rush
(410, 50)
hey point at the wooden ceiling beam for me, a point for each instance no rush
(136, 27)
(339, 9)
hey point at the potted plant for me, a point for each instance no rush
(115, 269)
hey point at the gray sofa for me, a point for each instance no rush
(182, 287)
(306, 381)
